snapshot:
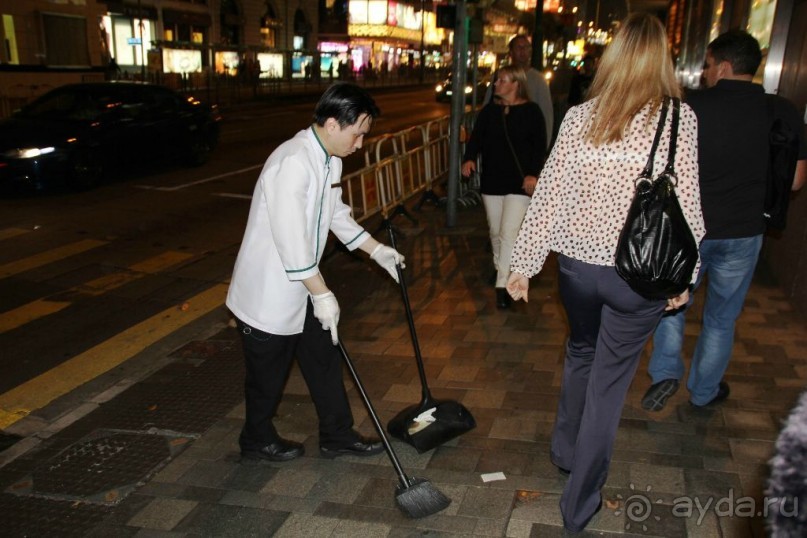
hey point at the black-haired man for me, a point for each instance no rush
(282, 305)
(734, 123)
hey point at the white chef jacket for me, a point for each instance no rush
(294, 205)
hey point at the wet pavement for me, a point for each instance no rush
(158, 456)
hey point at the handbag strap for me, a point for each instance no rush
(670, 168)
(648, 168)
(509, 143)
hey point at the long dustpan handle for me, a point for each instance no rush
(411, 319)
(390, 452)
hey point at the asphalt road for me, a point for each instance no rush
(90, 280)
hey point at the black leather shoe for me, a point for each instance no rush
(723, 392)
(656, 396)
(281, 450)
(503, 299)
(362, 447)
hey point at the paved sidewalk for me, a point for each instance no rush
(160, 458)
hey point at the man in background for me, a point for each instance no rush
(735, 117)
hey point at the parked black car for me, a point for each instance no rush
(79, 134)
(443, 90)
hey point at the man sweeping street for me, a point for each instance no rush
(282, 304)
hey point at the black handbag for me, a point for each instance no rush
(657, 252)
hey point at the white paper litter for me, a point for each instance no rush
(422, 421)
(492, 477)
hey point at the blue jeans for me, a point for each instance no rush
(730, 265)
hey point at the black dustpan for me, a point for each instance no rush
(431, 422)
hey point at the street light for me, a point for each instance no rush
(142, 26)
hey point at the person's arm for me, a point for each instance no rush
(477, 138)
(532, 243)
(686, 166)
(801, 175)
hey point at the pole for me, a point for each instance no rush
(457, 111)
(142, 41)
(422, 39)
(537, 60)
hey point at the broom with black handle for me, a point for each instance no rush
(416, 497)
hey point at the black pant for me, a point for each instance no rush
(609, 325)
(268, 359)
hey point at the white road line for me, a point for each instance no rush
(199, 182)
(233, 195)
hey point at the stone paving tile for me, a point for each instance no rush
(215, 520)
(295, 482)
(506, 367)
(297, 525)
(208, 473)
(162, 514)
(485, 502)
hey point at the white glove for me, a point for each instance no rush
(326, 310)
(388, 257)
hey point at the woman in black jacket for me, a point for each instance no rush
(510, 136)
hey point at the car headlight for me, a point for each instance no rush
(28, 153)
(438, 88)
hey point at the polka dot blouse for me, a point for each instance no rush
(584, 191)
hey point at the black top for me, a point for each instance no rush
(527, 132)
(733, 129)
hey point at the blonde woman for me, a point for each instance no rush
(578, 210)
(511, 137)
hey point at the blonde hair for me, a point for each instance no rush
(636, 69)
(519, 76)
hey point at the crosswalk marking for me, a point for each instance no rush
(8, 233)
(151, 265)
(29, 312)
(20, 401)
(43, 307)
(44, 258)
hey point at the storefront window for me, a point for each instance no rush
(10, 40)
(760, 21)
(182, 61)
(227, 62)
(301, 30)
(271, 65)
(66, 40)
(123, 37)
(269, 26)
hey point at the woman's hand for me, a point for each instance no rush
(468, 168)
(529, 184)
(674, 303)
(518, 286)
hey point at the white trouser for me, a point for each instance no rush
(505, 214)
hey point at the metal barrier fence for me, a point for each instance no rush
(399, 166)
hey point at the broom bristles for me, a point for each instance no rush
(420, 499)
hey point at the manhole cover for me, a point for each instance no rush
(102, 468)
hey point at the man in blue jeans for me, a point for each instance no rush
(734, 121)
